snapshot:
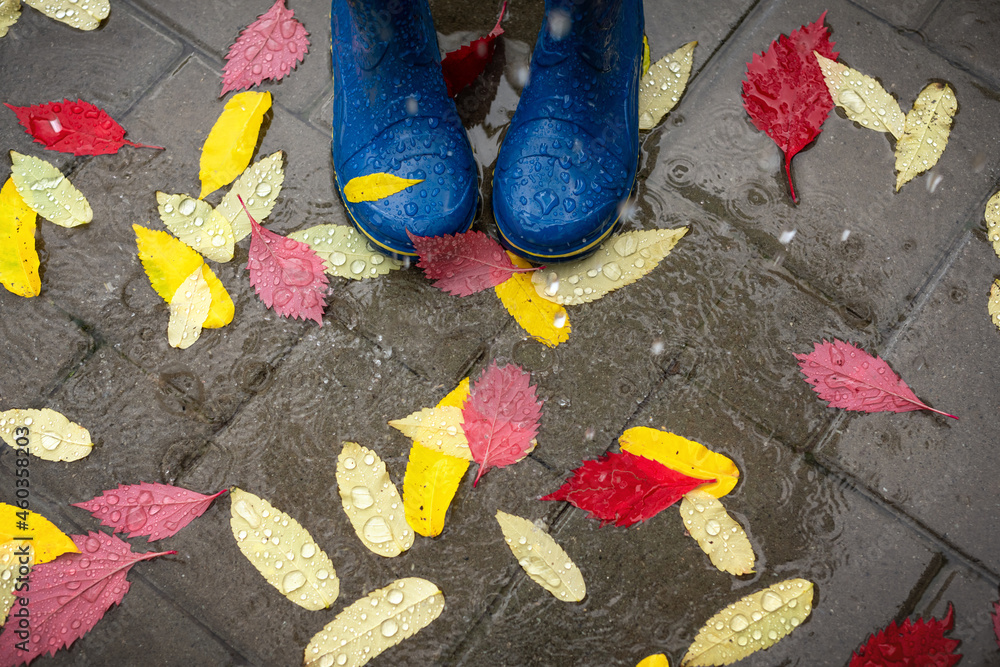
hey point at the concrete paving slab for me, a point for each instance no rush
(901, 13)
(973, 597)
(965, 31)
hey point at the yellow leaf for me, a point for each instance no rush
(685, 456)
(231, 142)
(717, 533)
(47, 541)
(283, 551)
(456, 397)
(188, 309)
(191, 221)
(620, 261)
(378, 621)
(16, 560)
(168, 262)
(662, 86)
(439, 429)
(18, 258)
(993, 222)
(544, 320)
(47, 192)
(645, 55)
(862, 98)
(926, 131)
(345, 253)
(733, 633)
(259, 186)
(655, 660)
(82, 15)
(45, 433)
(376, 186)
(542, 558)
(372, 502)
(10, 11)
(994, 304)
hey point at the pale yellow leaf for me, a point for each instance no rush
(345, 253)
(753, 623)
(926, 132)
(376, 186)
(662, 86)
(655, 660)
(542, 319)
(188, 309)
(47, 192)
(371, 501)
(619, 261)
(994, 304)
(19, 526)
(45, 433)
(685, 456)
(862, 98)
(378, 621)
(191, 221)
(231, 142)
(10, 11)
(283, 551)
(18, 257)
(542, 558)
(16, 560)
(439, 429)
(259, 186)
(645, 55)
(717, 533)
(81, 14)
(993, 222)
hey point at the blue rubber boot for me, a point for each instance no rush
(392, 114)
(568, 161)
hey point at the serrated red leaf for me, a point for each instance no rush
(784, 91)
(848, 377)
(995, 615)
(464, 65)
(66, 597)
(76, 127)
(463, 264)
(921, 643)
(624, 488)
(268, 48)
(153, 510)
(500, 417)
(287, 275)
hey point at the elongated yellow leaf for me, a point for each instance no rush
(168, 262)
(662, 86)
(717, 533)
(620, 261)
(862, 98)
(283, 551)
(345, 253)
(81, 14)
(994, 304)
(430, 483)
(16, 561)
(645, 55)
(18, 258)
(259, 186)
(18, 526)
(376, 186)
(544, 320)
(45, 433)
(993, 222)
(655, 660)
(925, 133)
(378, 621)
(230, 143)
(188, 309)
(439, 429)
(683, 455)
(191, 221)
(372, 502)
(753, 623)
(47, 192)
(10, 11)
(542, 558)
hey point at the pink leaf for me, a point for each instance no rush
(464, 65)
(850, 378)
(154, 510)
(66, 597)
(76, 127)
(268, 48)
(464, 264)
(500, 417)
(995, 615)
(287, 275)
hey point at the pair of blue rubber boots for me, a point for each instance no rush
(566, 165)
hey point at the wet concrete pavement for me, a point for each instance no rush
(890, 515)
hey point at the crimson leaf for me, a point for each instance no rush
(154, 510)
(463, 65)
(921, 643)
(76, 127)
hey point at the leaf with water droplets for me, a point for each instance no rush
(378, 621)
(345, 253)
(45, 433)
(19, 527)
(662, 86)
(655, 660)
(912, 643)
(76, 127)
(463, 264)
(372, 502)
(438, 428)
(268, 48)
(926, 131)
(188, 309)
(258, 186)
(373, 187)
(80, 14)
(994, 303)
(16, 560)
(751, 624)
(993, 222)
(542, 319)
(231, 141)
(191, 221)
(542, 558)
(10, 11)
(18, 257)
(464, 65)
(619, 261)
(283, 551)
(717, 533)
(683, 455)
(862, 98)
(47, 192)
(154, 510)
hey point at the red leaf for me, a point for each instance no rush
(76, 127)
(848, 377)
(500, 417)
(464, 65)
(287, 275)
(921, 643)
(784, 92)
(268, 48)
(624, 488)
(995, 614)
(464, 264)
(154, 510)
(66, 597)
